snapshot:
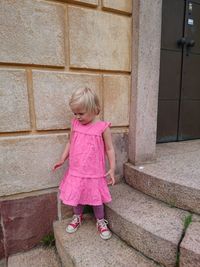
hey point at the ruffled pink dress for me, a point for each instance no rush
(85, 180)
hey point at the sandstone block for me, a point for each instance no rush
(27, 220)
(26, 163)
(99, 40)
(51, 94)
(120, 142)
(14, 114)
(34, 35)
(121, 5)
(66, 211)
(190, 247)
(116, 99)
(88, 2)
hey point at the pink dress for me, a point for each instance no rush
(85, 180)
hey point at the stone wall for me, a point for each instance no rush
(49, 48)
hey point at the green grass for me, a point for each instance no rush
(177, 259)
(172, 204)
(88, 209)
(187, 221)
(48, 240)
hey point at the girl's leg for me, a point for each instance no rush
(101, 222)
(78, 210)
(99, 212)
(76, 220)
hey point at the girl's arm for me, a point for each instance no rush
(65, 154)
(110, 153)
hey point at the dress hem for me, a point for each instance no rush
(81, 203)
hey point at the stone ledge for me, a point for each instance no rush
(92, 3)
(29, 194)
(118, 5)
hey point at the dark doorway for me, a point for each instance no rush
(179, 92)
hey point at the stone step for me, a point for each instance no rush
(36, 257)
(2, 263)
(86, 248)
(150, 226)
(168, 180)
(190, 246)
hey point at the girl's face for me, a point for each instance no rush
(83, 116)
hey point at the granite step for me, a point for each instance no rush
(37, 257)
(149, 225)
(174, 180)
(86, 248)
(190, 246)
(2, 263)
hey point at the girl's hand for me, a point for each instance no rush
(58, 164)
(111, 179)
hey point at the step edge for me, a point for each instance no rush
(167, 196)
(152, 236)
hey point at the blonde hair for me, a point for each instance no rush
(86, 98)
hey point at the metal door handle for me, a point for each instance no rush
(190, 43)
(181, 42)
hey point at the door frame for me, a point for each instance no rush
(146, 44)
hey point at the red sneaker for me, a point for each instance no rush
(103, 229)
(74, 224)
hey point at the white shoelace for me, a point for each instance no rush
(76, 219)
(102, 223)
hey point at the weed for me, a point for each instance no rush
(172, 204)
(88, 209)
(48, 240)
(187, 222)
(177, 259)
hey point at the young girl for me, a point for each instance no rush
(85, 181)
